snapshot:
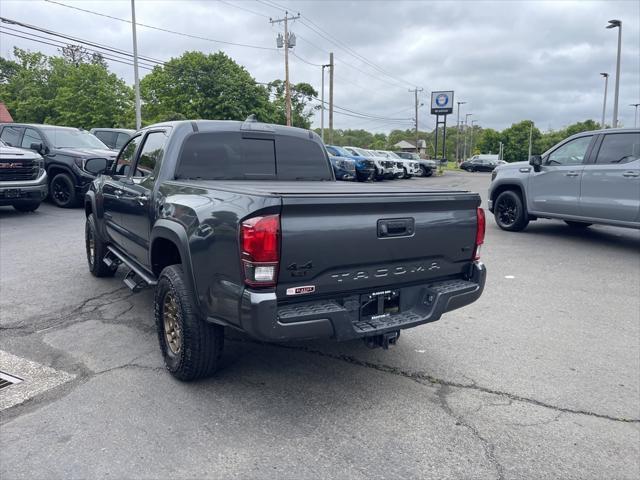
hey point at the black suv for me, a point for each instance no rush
(65, 151)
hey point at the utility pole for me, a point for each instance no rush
(322, 104)
(287, 88)
(618, 24)
(331, 66)
(136, 79)
(500, 151)
(415, 92)
(466, 123)
(635, 114)
(458, 132)
(604, 104)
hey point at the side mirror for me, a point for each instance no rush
(536, 162)
(96, 166)
(38, 147)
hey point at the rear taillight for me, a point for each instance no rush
(260, 250)
(479, 233)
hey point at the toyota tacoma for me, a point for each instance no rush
(242, 225)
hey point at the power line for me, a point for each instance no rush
(161, 29)
(57, 45)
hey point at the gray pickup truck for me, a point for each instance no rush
(23, 179)
(591, 177)
(242, 225)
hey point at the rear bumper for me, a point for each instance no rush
(262, 317)
(27, 191)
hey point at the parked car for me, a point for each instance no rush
(242, 225)
(365, 167)
(479, 165)
(591, 177)
(343, 168)
(384, 167)
(427, 166)
(409, 167)
(114, 138)
(65, 151)
(23, 179)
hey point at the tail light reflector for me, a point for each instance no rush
(479, 233)
(260, 250)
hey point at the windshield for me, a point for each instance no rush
(71, 138)
(342, 151)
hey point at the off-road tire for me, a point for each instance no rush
(96, 254)
(517, 219)
(201, 343)
(63, 191)
(578, 225)
(27, 207)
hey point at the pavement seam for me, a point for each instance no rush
(422, 377)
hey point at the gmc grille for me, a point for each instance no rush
(12, 171)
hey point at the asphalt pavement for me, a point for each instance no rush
(538, 379)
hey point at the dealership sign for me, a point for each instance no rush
(442, 103)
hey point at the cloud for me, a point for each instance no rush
(508, 60)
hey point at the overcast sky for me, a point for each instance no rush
(509, 60)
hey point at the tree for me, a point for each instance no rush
(301, 95)
(516, 141)
(489, 141)
(209, 86)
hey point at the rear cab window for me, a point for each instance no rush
(246, 156)
(618, 148)
(108, 138)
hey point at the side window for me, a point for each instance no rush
(30, 136)
(126, 157)
(571, 153)
(333, 151)
(619, 148)
(11, 136)
(150, 154)
(106, 137)
(121, 140)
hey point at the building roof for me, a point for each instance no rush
(5, 116)
(404, 144)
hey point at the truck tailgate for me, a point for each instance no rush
(346, 242)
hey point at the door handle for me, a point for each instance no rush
(142, 199)
(117, 192)
(631, 174)
(571, 174)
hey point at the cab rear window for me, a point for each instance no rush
(241, 156)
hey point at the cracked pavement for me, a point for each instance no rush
(538, 379)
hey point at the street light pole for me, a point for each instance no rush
(530, 138)
(322, 104)
(466, 123)
(458, 132)
(635, 114)
(618, 24)
(136, 78)
(472, 137)
(604, 104)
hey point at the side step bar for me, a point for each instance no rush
(136, 279)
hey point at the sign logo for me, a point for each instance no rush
(442, 100)
(10, 165)
(301, 290)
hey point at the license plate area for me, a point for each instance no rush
(379, 304)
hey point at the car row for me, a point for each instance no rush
(382, 164)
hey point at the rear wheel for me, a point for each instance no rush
(191, 347)
(63, 192)
(578, 225)
(509, 212)
(27, 207)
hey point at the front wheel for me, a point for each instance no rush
(578, 225)
(96, 250)
(63, 192)
(191, 347)
(27, 207)
(509, 212)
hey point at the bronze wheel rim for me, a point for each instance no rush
(172, 331)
